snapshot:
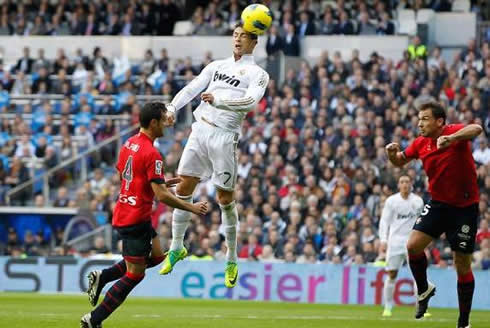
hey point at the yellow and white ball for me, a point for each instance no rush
(256, 19)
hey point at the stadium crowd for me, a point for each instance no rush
(208, 17)
(312, 175)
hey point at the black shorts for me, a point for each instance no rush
(459, 224)
(136, 241)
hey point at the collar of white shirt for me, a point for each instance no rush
(249, 58)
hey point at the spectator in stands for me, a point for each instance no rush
(5, 26)
(170, 14)
(482, 153)
(345, 26)
(483, 231)
(12, 240)
(217, 26)
(417, 50)
(57, 27)
(25, 63)
(328, 26)
(482, 256)
(274, 42)
(291, 42)
(24, 148)
(305, 26)
(147, 20)
(129, 26)
(308, 255)
(251, 250)
(62, 198)
(99, 182)
(17, 175)
(365, 27)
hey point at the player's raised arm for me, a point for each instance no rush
(190, 91)
(165, 196)
(254, 93)
(468, 132)
(395, 155)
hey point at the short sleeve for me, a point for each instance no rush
(452, 128)
(412, 150)
(154, 168)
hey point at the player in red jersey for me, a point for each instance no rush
(445, 151)
(140, 166)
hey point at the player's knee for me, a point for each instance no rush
(392, 274)
(462, 264)
(225, 197)
(412, 246)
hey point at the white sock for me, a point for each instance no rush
(229, 216)
(388, 290)
(180, 222)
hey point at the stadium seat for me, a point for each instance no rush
(461, 6)
(424, 16)
(405, 14)
(407, 26)
(183, 28)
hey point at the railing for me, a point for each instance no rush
(85, 241)
(45, 176)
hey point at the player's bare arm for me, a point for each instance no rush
(468, 132)
(395, 155)
(172, 182)
(165, 196)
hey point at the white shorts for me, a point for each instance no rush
(210, 152)
(395, 262)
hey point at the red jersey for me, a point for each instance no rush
(139, 164)
(451, 170)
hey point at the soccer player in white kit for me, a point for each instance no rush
(397, 219)
(233, 87)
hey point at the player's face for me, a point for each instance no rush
(404, 184)
(428, 125)
(159, 126)
(242, 42)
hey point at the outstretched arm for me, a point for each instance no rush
(254, 93)
(190, 91)
(468, 132)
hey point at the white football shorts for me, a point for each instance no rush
(211, 152)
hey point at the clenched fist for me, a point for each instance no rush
(200, 208)
(392, 148)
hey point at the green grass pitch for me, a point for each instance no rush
(35, 310)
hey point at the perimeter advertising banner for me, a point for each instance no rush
(307, 283)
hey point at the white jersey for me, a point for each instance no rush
(397, 220)
(237, 87)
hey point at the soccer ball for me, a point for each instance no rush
(256, 19)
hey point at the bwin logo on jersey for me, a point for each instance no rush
(225, 78)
